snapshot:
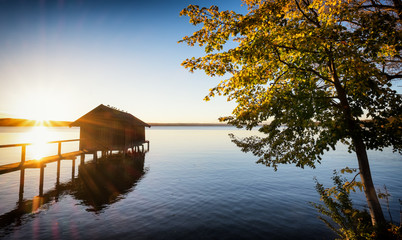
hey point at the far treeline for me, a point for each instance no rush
(16, 122)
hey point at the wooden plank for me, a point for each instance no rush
(15, 145)
(26, 144)
(10, 168)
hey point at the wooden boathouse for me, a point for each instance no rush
(107, 129)
(102, 129)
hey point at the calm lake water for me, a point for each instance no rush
(194, 183)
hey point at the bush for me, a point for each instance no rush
(339, 214)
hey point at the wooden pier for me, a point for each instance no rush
(104, 129)
(41, 163)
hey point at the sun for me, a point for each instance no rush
(39, 139)
(39, 136)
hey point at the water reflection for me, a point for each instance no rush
(107, 181)
(97, 185)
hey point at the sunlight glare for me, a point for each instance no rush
(39, 136)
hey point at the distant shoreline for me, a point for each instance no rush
(17, 122)
(189, 125)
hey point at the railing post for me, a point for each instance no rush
(59, 149)
(23, 150)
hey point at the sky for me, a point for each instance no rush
(60, 59)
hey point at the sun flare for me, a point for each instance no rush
(39, 136)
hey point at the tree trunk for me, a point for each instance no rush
(377, 216)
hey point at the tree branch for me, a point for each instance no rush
(305, 15)
(353, 180)
(391, 77)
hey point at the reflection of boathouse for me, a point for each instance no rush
(108, 129)
(97, 186)
(107, 181)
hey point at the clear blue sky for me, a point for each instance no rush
(59, 59)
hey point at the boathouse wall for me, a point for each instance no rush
(105, 128)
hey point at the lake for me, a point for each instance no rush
(194, 183)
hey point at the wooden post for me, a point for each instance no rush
(23, 150)
(42, 174)
(73, 170)
(82, 159)
(22, 182)
(58, 172)
(95, 156)
(59, 149)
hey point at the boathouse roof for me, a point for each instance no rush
(98, 115)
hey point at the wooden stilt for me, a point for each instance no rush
(82, 159)
(73, 170)
(58, 172)
(22, 182)
(42, 174)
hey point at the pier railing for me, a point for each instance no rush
(40, 163)
(24, 147)
(37, 163)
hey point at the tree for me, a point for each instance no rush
(314, 72)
